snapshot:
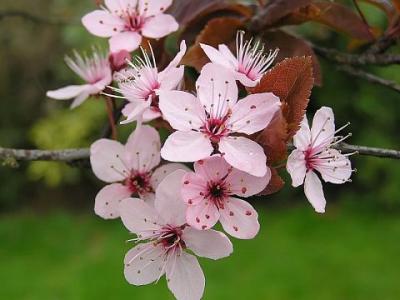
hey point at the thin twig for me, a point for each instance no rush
(71, 155)
(370, 77)
(28, 16)
(110, 113)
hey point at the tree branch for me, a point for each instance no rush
(370, 77)
(74, 155)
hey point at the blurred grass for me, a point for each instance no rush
(297, 255)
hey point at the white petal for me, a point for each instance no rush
(169, 202)
(67, 92)
(336, 169)
(244, 154)
(323, 127)
(302, 139)
(185, 277)
(314, 192)
(108, 199)
(207, 243)
(296, 166)
(163, 171)
(216, 56)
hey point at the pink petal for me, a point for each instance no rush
(296, 166)
(155, 7)
(177, 60)
(246, 185)
(194, 188)
(134, 111)
(169, 202)
(185, 278)
(102, 84)
(144, 264)
(302, 139)
(151, 114)
(314, 192)
(207, 243)
(203, 215)
(159, 26)
(323, 127)
(103, 24)
(139, 217)
(244, 80)
(67, 92)
(216, 88)
(144, 146)
(163, 171)
(171, 78)
(217, 57)
(149, 198)
(120, 6)
(335, 170)
(245, 155)
(108, 160)
(186, 147)
(212, 168)
(108, 199)
(182, 110)
(225, 51)
(128, 41)
(254, 113)
(239, 219)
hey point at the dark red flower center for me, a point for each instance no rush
(172, 237)
(217, 192)
(139, 183)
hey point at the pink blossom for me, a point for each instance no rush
(94, 70)
(118, 60)
(142, 81)
(206, 124)
(131, 169)
(166, 240)
(314, 152)
(209, 193)
(250, 63)
(126, 21)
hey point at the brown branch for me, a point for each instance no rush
(30, 17)
(110, 105)
(370, 77)
(73, 155)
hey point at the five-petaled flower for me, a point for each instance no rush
(125, 22)
(250, 63)
(95, 71)
(141, 82)
(314, 153)
(209, 193)
(167, 238)
(129, 168)
(205, 124)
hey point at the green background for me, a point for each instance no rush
(52, 246)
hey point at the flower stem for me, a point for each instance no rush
(111, 120)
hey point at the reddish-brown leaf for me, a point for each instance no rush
(335, 15)
(275, 185)
(290, 46)
(217, 31)
(292, 81)
(397, 5)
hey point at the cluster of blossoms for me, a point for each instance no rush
(171, 207)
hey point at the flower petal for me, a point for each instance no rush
(103, 24)
(216, 89)
(67, 92)
(139, 217)
(244, 80)
(296, 166)
(246, 185)
(185, 277)
(177, 59)
(108, 199)
(171, 78)
(133, 111)
(336, 168)
(212, 168)
(207, 243)
(245, 155)
(109, 160)
(239, 219)
(254, 113)
(144, 264)
(302, 139)
(127, 40)
(169, 202)
(143, 147)
(186, 147)
(151, 114)
(151, 8)
(182, 110)
(120, 6)
(203, 215)
(159, 26)
(314, 192)
(216, 56)
(323, 127)
(163, 171)
(194, 188)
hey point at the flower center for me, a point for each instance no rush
(134, 22)
(217, 192)
(139, 183)
(171, 237)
